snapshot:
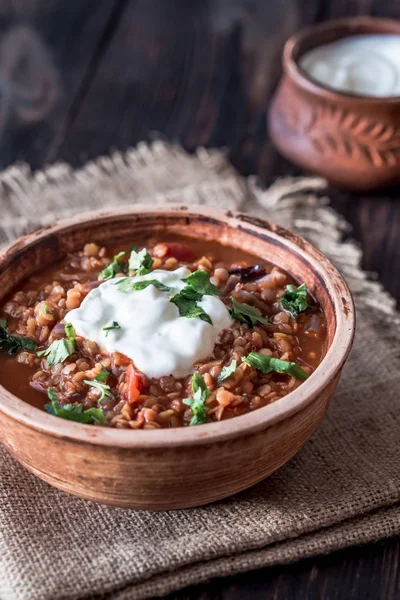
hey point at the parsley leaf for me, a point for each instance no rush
(13, 343)
(228, 370)
(188, 293)
(102, 387)
(103, 375)
(47, 309)
(113, 268)
(266, 364)
(140, 262)
(73, 412)
(188, 308)
(197, 285)
(197, 402)
(96, 414)
(115, 325)
(247, 314)
(200, 282)
(59, 350)
(294, 300)
(128, 285)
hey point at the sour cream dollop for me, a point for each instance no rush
(152, 333)
(368, 65)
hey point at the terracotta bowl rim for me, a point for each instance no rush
(304, 81)
(250, 423)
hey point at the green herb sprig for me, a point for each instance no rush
(189, 308)
(113, 268)
(103, 375)
(115, 325)
(228, 370)
(140, 262)
(197, 402)
(128, 285)
(198, 284)
(267, 364)
(247, 314)
(73, 412)
(103, 388)
(13, 343)
(59, 350)
(294, 300)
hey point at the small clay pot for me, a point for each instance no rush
(352, 140)
(186, 466)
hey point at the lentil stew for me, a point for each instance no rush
(276, 340)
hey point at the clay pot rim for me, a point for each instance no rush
(350, 26)
(250, 423)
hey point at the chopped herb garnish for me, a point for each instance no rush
(13, 343)
(228, 370)
(189, 308)
(247, 314)
(73, 412)
(70, 331)
(59, 350)
(266, 364)
(113, 268)
(190, 294)
(140, 262)
(197, 402)
(197, 285)
(47, 309)
(294, 300)
(128, 285)
(102, 387)
(114, 325)
(103, 375)
(200, 282)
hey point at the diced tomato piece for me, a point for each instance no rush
(174, 250)
(135, 383)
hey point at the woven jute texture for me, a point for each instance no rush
(341, 489)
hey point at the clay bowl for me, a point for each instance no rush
(353, 141)
(175, 468)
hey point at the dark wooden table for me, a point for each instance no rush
(79, 78)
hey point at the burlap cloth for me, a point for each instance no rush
(341, 489)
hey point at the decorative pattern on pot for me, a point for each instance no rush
(361, 138)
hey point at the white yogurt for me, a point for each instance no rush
(367, 65)
(153, 334)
